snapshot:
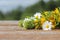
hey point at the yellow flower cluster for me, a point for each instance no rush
(51, 16)
(46, 20)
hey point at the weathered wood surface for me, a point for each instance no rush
(13, 32)
(29, 35)
(8, 23)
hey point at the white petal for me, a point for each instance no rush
(47, 23)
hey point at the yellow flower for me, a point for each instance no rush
(56, 11)
(36, 21)
(58, 19)
(51, 19)
(36, 16)
(42, 20)
(53, 26)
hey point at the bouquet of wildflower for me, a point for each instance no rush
(46, 20)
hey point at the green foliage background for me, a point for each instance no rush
(19, 13)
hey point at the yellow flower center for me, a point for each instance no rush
(47, 26)
(36, 21)
(36, 16)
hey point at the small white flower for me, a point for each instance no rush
(47, 25)
(32, 18)
(26, 20)
(37, 15)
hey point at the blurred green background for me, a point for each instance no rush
(21, 13)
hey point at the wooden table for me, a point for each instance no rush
(9, 32)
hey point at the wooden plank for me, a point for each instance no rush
(8, 23)
(10, 31)
(30, 35)
(9, 28)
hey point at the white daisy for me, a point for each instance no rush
(37, 15)
(47, 25)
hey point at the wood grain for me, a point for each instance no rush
(9, 32)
